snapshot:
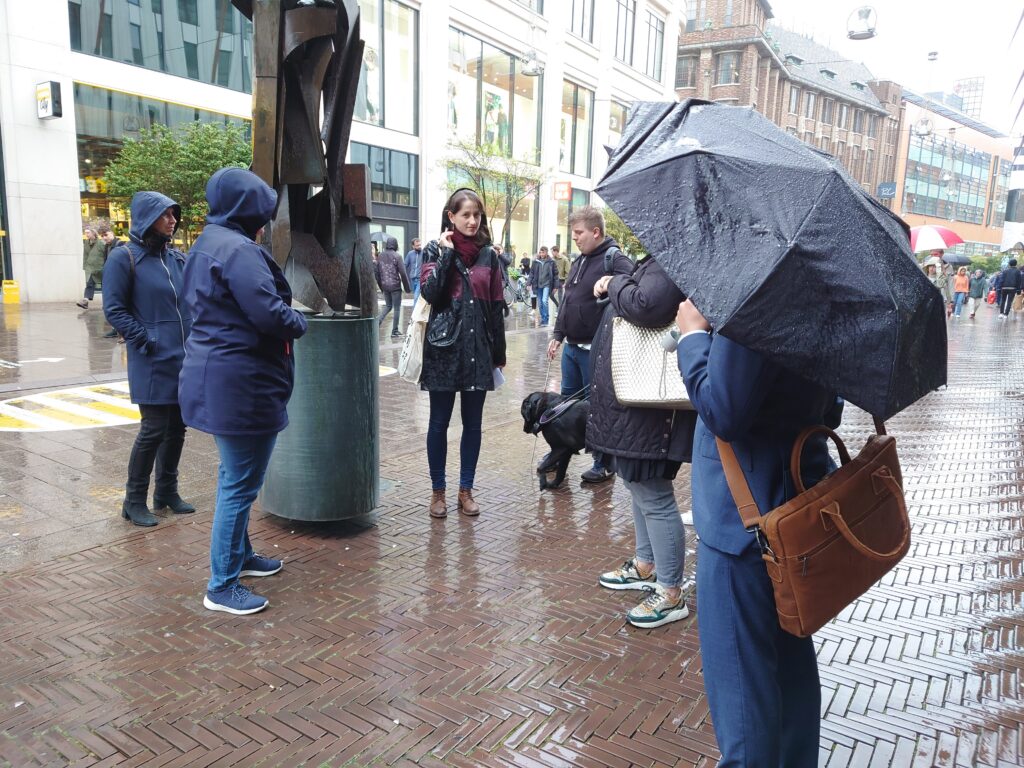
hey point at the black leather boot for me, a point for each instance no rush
(177, 504)
(138, 513)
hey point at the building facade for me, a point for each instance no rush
(729, 52)
(953, 170)
(545, 82)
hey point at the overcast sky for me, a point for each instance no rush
(972, 37)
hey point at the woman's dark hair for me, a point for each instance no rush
(458, 199)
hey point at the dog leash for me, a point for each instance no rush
(532, 470)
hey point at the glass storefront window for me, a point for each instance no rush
(207, 41)
(577, 128)
(394, 175)
(104, 119)
(616, 122)
(387, 94)
(490, 101)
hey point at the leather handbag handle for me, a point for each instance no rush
(833, 511)
(798, 450)
(749, 513)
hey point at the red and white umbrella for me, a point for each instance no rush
(932, 237)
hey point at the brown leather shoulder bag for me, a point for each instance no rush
(828, 545)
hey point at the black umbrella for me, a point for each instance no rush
(955, 259)
(781, 250)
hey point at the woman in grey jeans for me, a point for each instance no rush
(643, 446)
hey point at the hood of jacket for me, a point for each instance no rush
(239, 200)
(391, 244)
(146, 208)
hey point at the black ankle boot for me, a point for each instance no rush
(138, 513)
(177, 504)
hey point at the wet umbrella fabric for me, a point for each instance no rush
(781, 250)
(956, 259)
(933, 237)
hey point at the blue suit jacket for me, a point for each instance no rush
(752, 403)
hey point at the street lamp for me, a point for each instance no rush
(861, 24)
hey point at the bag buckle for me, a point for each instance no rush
(762, 542)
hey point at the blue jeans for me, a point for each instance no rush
(660, 537)
(543, 296)
(243, 463)
(575, 373)
(441, 406)
(761, 681)
(575, 369)
(415, 283)
(958, 302)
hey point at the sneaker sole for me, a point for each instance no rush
(210, 605)
(670, 617)
(261, 573)
(628, 585)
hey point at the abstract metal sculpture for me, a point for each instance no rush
(307, 56)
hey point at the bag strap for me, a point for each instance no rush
(749, 513)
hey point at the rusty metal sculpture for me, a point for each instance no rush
(307, 55)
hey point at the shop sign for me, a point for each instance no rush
(48, 103)
(562, 190)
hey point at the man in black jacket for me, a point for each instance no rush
(1011, 286)
(580, 315)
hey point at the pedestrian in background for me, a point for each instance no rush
(110, 242)
(645, 447)
(413, 264)
(562, 269)
(462, 281)
(976, 291)
(544, 276)
(762, 682)
(93, 258)
(580, 314)
(389, 269)
(961, 285)
(934, 273)
(239, 370)
(143, 290)
(1009, 286)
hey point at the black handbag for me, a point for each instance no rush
(444, 326)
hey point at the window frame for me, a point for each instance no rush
(738, 57)
(625, 15)
(582, 11)
(810, 105)
(693, 71)
(655, 59)
(795, 93)
(575, 129)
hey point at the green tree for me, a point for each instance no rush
(623, 235)
(503, 182)
(178, 163)
(987, 264)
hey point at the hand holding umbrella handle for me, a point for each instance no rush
(689, 318)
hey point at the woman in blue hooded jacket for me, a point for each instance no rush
(142, 299)
(238, 371)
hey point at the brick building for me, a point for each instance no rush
(730, 53)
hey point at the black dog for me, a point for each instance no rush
(565, 434)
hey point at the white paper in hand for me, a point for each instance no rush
(499, 378)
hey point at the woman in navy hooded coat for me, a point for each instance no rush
(238, 371)
(142, 299)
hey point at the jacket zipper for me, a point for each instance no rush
(181, 322)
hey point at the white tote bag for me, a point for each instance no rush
(644, 374)
(410, 360)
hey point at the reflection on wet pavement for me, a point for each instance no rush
(487, 641)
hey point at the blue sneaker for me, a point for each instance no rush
(258, 565)
(235, 598)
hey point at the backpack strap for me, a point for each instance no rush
(609, 258)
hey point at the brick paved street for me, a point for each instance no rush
(476, 642)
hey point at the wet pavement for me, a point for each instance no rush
(475, 642)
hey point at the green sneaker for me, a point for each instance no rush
(657, 609)
(626, 577)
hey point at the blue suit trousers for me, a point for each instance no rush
(762, 682)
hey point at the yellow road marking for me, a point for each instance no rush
(39, 409)
(10, 422)
(127, 411)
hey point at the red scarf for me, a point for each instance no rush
(466, 247)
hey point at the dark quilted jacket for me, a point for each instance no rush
(647, 298)
(469, 363)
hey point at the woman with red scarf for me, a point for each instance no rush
(465, 339)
